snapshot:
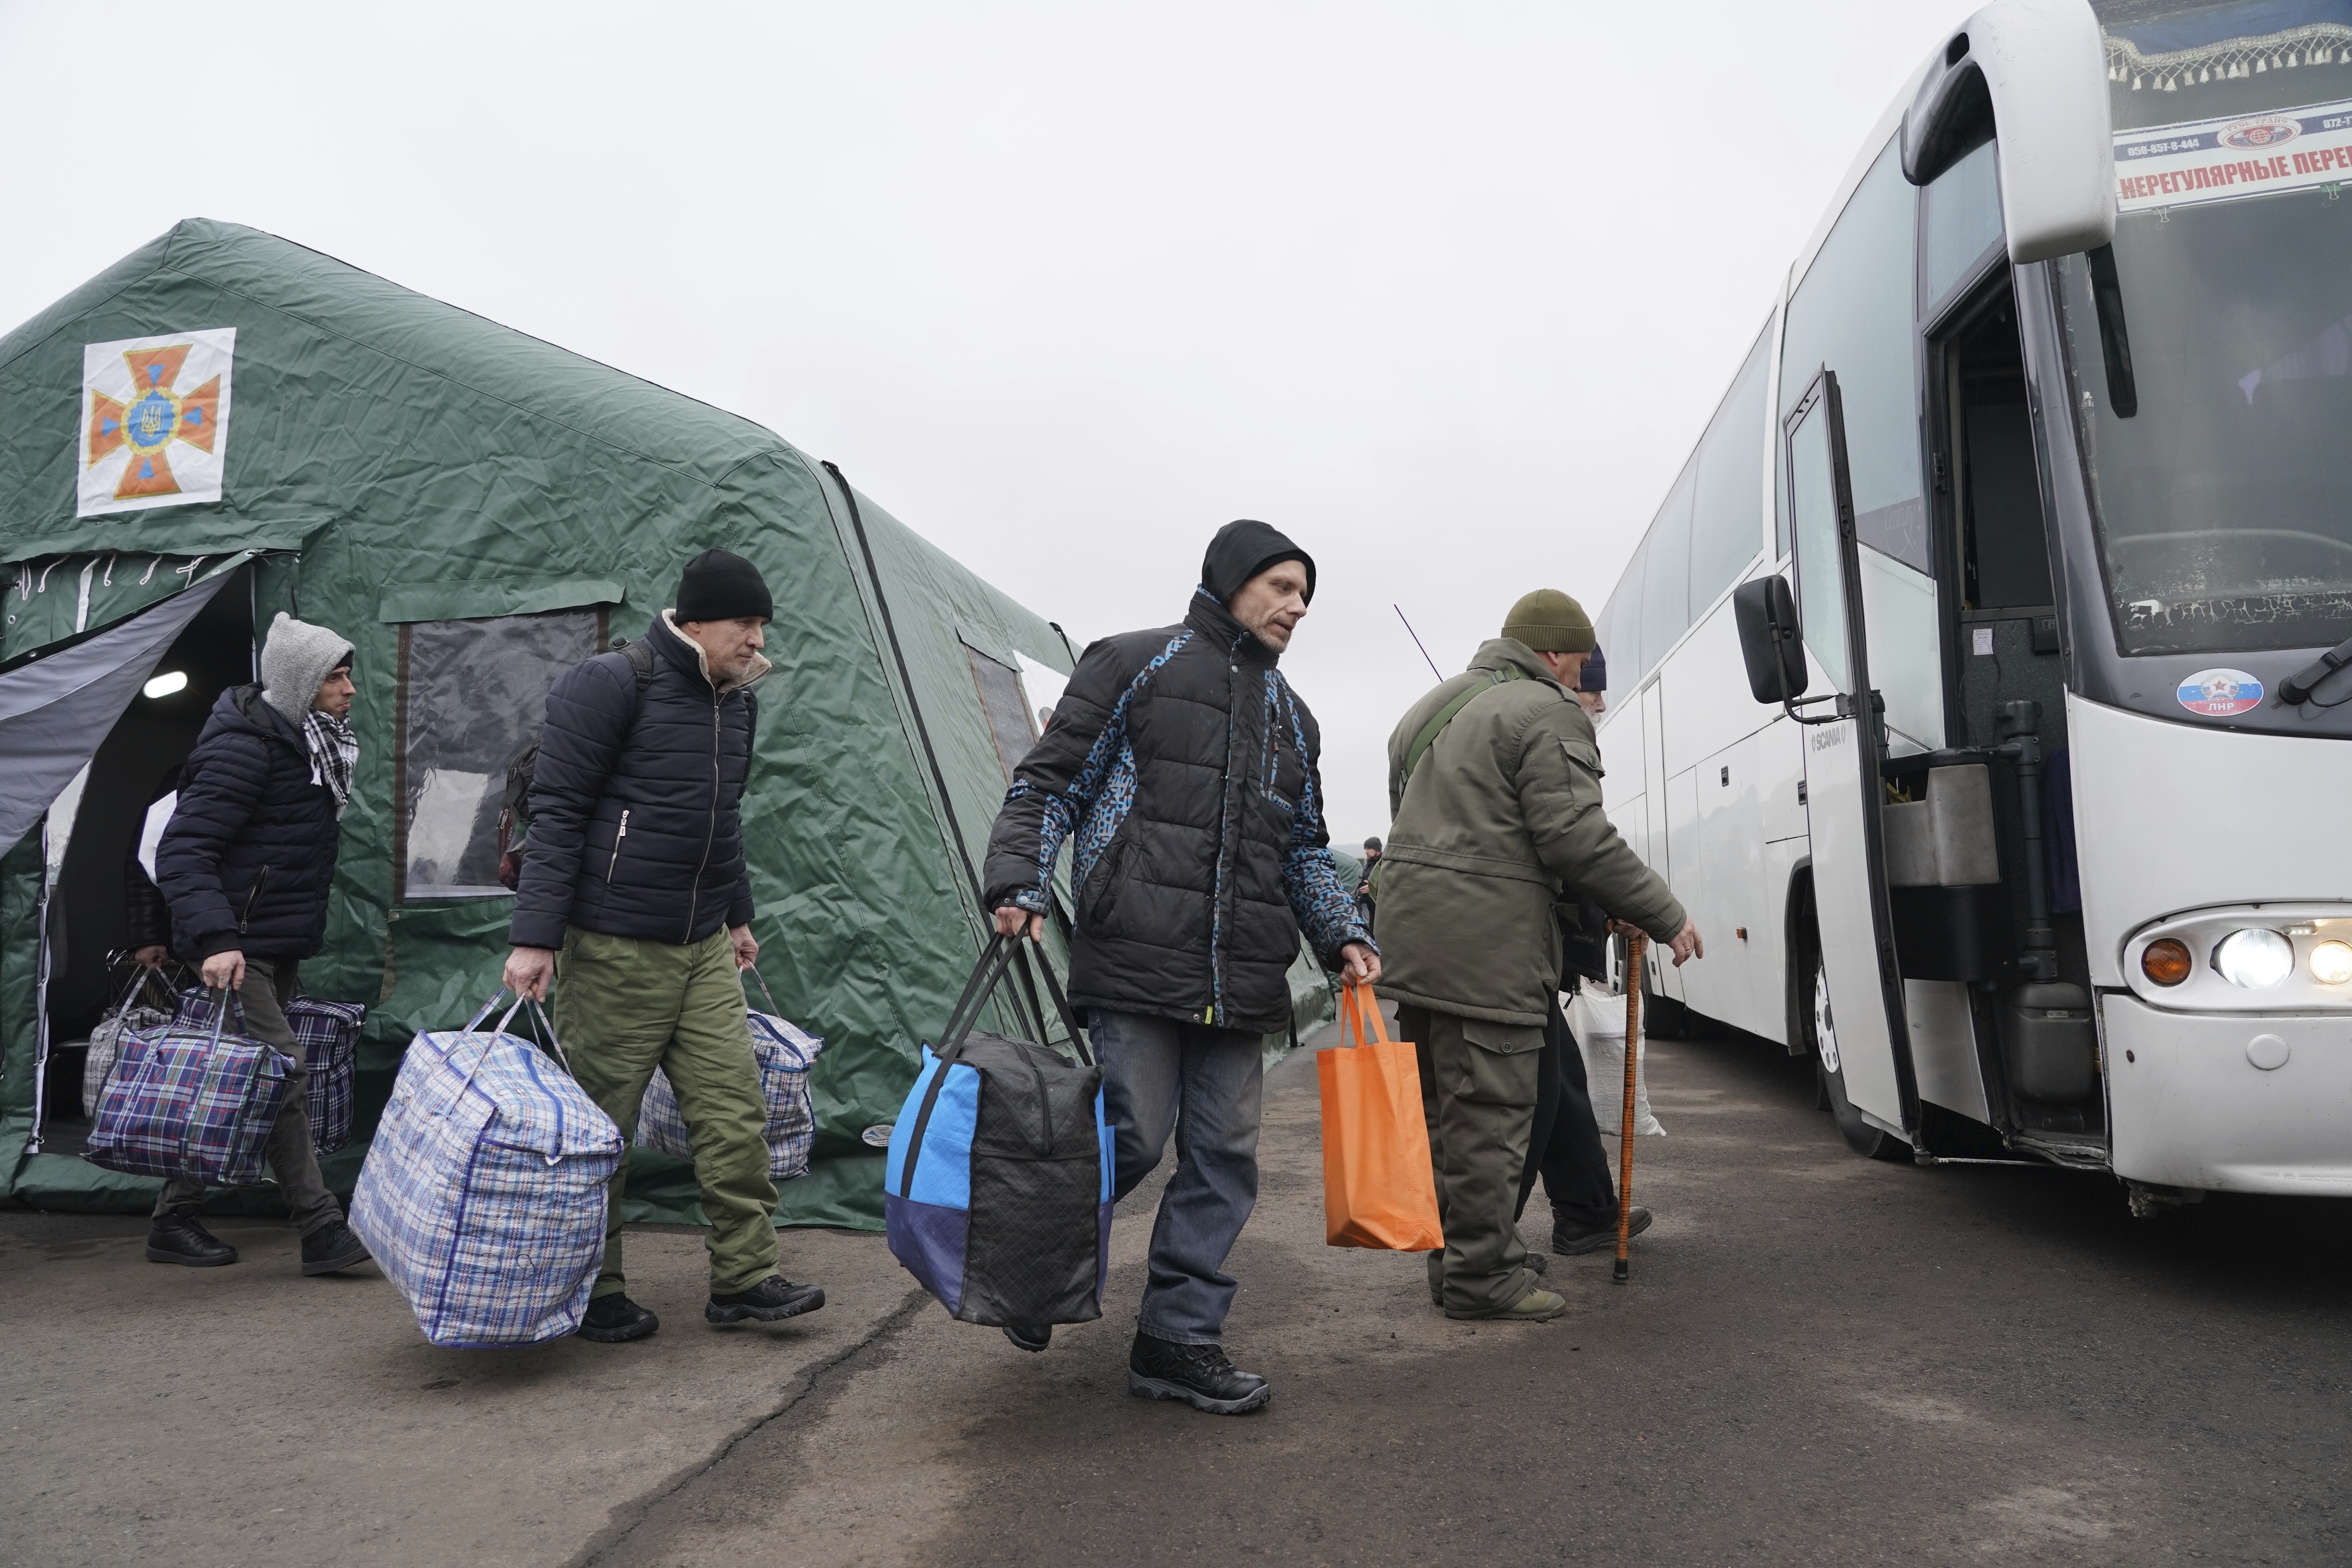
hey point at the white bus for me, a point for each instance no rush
(2048, 855)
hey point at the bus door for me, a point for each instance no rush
(1856, 998)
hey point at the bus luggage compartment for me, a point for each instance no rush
(2246, 1102)
(1951, 912)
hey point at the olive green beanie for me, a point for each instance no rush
(1549, 621)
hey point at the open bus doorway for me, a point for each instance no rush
(88, 935)
(2003, 652)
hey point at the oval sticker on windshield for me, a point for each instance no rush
(2219, 693)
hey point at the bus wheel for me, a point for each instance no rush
(1860, 1136)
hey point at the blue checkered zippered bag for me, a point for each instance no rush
(329, 1033)
(784, 1051)
(190, 1100)
(483, 1195)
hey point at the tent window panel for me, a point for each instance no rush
(472, 695)
(1007, 707)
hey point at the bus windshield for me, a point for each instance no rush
(2224, 497)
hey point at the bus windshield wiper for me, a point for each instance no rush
(2115, 338)
(2297, 688)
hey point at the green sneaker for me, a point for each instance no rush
(1536, 1264)
(1535, 1307)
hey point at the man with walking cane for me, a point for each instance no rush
(1495, 784)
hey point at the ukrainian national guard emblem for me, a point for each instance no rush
(155, 421)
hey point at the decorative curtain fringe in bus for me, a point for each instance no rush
(2320, 44)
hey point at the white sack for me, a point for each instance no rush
(1597, 1021)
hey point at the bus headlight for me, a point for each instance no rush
(2257, 958)
(2331, 962)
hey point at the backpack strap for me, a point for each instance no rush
(1444, 716)
(640, 655)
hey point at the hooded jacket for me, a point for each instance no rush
(637, 826)
(1499, 823)
(247, 858)
(1184, 771)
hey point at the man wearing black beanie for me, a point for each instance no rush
(1182, 770)
(636, 891)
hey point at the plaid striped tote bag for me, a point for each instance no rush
(329, 1033)
(191, 1100)
(785, 1052)
(483, 1195)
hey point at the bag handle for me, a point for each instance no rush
(204, 1084)
(994, 959)
(488, 1041)
(122, 1003)
(153, 982)
(1061, 1002)
(753, 971)
(1360, 1022)
(547, 1026)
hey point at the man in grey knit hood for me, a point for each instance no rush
(245, 864)
(296, 661)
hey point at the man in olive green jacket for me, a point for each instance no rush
(1495, 784)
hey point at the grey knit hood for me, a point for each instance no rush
(294, 659)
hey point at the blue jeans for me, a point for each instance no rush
(1163, 1074)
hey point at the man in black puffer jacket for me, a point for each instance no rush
(245, 865)
(635, 895)
(1184, 771)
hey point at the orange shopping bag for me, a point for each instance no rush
(1378, 1187)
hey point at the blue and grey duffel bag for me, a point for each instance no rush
(998, 1187)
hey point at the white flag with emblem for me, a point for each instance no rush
(155, 421)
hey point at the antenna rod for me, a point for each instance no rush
(1416, 638)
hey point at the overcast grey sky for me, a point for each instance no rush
(1446, 291)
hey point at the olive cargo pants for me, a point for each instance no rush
(1478, 1083)
(625, 1006)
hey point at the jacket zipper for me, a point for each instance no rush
(250, 894)
(610, 865)
(1226, 828)
(710, 835)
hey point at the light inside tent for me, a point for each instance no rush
(166, 684)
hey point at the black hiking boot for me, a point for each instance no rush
(1200, 1375)
(614, 1319)
(1030, 1337)
(178, 1238)
(770, 1299)
(332, 1246)
(1565, 1242)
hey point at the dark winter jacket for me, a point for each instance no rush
(249, 854)
(1184, 770)
(1498, 824)
(636, 827)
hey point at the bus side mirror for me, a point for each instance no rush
(2035, 71)
(1769, 638)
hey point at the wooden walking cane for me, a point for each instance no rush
(1637, 946)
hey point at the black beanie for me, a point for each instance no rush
(720, 586)
(1243, 549)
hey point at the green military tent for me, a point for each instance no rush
(225, 425)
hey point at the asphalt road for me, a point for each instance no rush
(1820, 1358)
